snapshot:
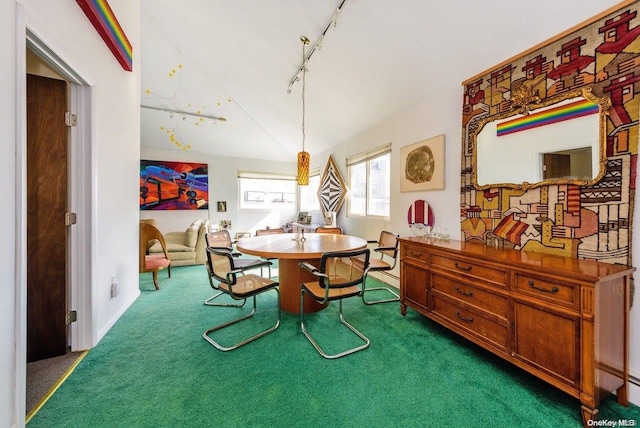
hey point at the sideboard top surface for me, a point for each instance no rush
(581, 269)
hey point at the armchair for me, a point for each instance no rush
(153, 262)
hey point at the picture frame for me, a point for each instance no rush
(222, 206)
(302, 216)
(422, 165)
(173, 185)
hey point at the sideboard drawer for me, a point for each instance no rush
(416, 253)
(493, 275)
(481, 326)
(491, 302)
(565, 294)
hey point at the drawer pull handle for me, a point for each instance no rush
(464, 293)
(414, 254)
(463, 318)
(467, 268)
(553, 290)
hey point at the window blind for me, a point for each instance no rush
(265, 175)
(368, 155)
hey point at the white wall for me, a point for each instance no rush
(425, 120)
(223, 186)
(442, 114)
(8, 223)
(115, 131)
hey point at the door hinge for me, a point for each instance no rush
(69, 219)
(70, 119)
(72, 316)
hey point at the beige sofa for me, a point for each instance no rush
(187, 247)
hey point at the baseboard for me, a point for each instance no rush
(387, 278)
(104, 330)
(634, 391)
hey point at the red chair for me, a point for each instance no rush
(153, 262)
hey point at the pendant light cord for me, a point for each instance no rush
(305, 41)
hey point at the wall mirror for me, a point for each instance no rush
(556, 141)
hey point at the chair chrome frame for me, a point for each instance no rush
(221, 240)
(379, 265)
(233, 281)
(339, 290)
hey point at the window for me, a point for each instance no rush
(309, 194)
(266, 191)
(370, 183)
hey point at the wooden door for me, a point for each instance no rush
(556, 166)
(46, 208)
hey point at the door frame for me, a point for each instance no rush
(81, 185)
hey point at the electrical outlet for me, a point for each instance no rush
(115, 286)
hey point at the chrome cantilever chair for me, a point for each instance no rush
(388, 250)
(232, 281)
(341, 275)
(222, 240)
(269, 231)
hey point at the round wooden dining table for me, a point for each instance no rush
(290, 252)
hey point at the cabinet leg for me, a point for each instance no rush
(588, 415)
(403, 309)
(622, 396)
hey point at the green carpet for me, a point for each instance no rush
(154, 369)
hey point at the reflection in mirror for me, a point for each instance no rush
(558, 141)
(568, 164)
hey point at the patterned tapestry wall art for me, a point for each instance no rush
(106, 24)
(585, 221)
(174, 185)
(332, 190)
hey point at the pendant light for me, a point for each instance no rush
(304, 159)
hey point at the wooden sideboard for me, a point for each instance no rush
(563, 320)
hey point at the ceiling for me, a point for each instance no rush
(236, 58)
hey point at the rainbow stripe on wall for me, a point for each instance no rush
(547, 117)
(101, 16)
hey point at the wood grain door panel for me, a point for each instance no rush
(46, 208)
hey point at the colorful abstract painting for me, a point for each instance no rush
(173, 185)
